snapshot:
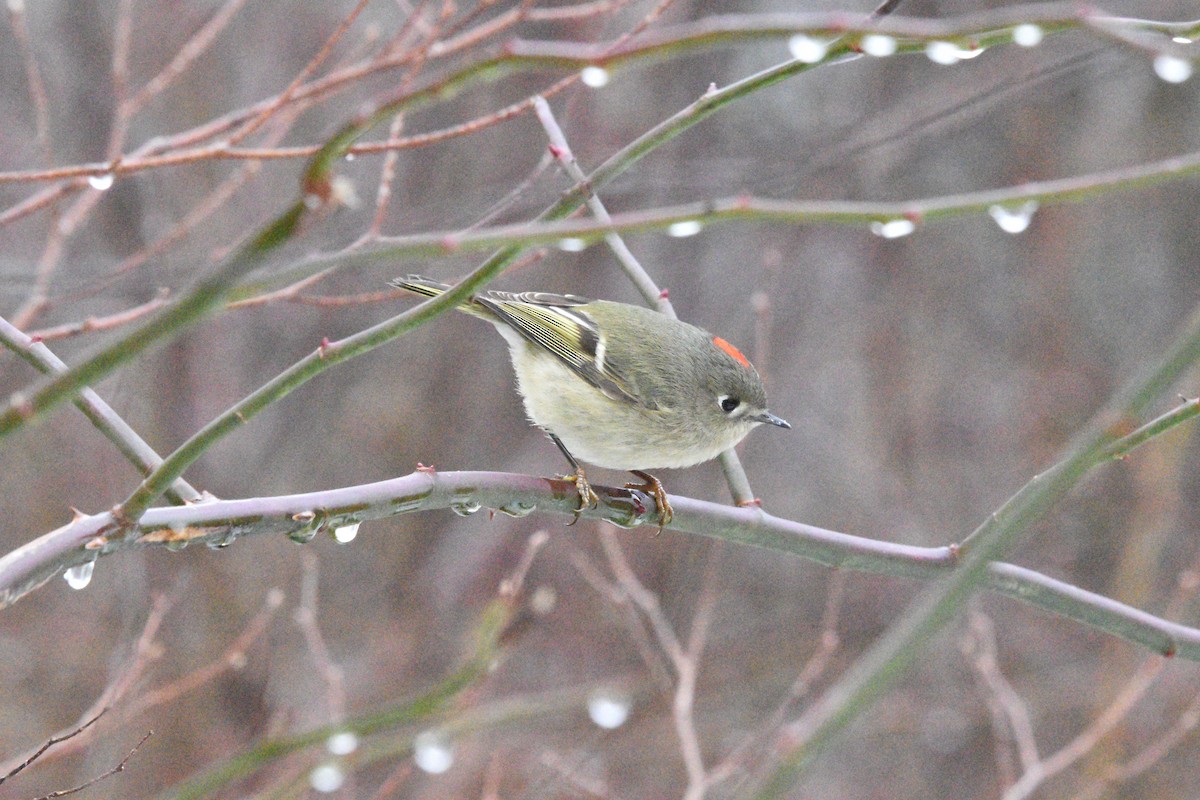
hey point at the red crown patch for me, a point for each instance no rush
(732, 351)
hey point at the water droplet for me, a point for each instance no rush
(1013, 220)
(594, 77)
(326, 778)
(101, 182)
(571, 245)
(464, 508)
(608, 708)
(433, 752)
(518, 508)
(1181, 40)
(177, 545)
(346, 533)
(687, 227)
(1028, 35)
(950, 53)
(223, 542)
(80, 575)
(893, 228)
(942, 52)
(878, 45)
(806, 49)
(1172, 69)
(349, 156)
(302, 535)
(542, 600)
(342, 744)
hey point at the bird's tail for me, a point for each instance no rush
(418, 284)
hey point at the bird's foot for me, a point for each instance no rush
(653, 487)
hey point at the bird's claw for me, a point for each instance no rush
(587, 497)
(653, 487)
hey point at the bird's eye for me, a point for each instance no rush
(728, 404)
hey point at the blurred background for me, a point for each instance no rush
(926, 378)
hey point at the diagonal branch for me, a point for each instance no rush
(106, 420)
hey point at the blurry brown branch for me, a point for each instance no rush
(305, 618)
(989, 29)
(1043, 769)
(752, 746)
(1010, 714)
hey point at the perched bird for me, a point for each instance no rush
(621, 386)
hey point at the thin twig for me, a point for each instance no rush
(53, 740)
(683, 660)
(814, 667)
(118, 768)
(1001, 694)
(1087, 739)
(192, 49)
(94, 324)
(651, 656)
(287, 94)
(305, 618)
(231, 659)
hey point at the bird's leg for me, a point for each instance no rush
(587, 497)
(653, 486)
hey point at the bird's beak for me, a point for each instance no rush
(771, 419)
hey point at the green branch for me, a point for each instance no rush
(891, 656)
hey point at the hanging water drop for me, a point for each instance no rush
(687, 227)
(942, 53)
(542, 600)
(893, 228)
(806, 49)
(346, 533)
(222, 542)
(302, 535)
(878, 45)
(342, 744)
(1028, 35)
(571, 244)
(326, 778)
(433, 752)
(101, 182)
(464, 508)
(594, 77)
(1172, 69)
(518, 508)
(80, 575)
(608, 708)
(1013, 220)
(177, 545)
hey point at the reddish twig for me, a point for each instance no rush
(93, 324)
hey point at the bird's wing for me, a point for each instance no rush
(556, 323)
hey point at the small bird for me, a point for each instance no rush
(621, 386)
